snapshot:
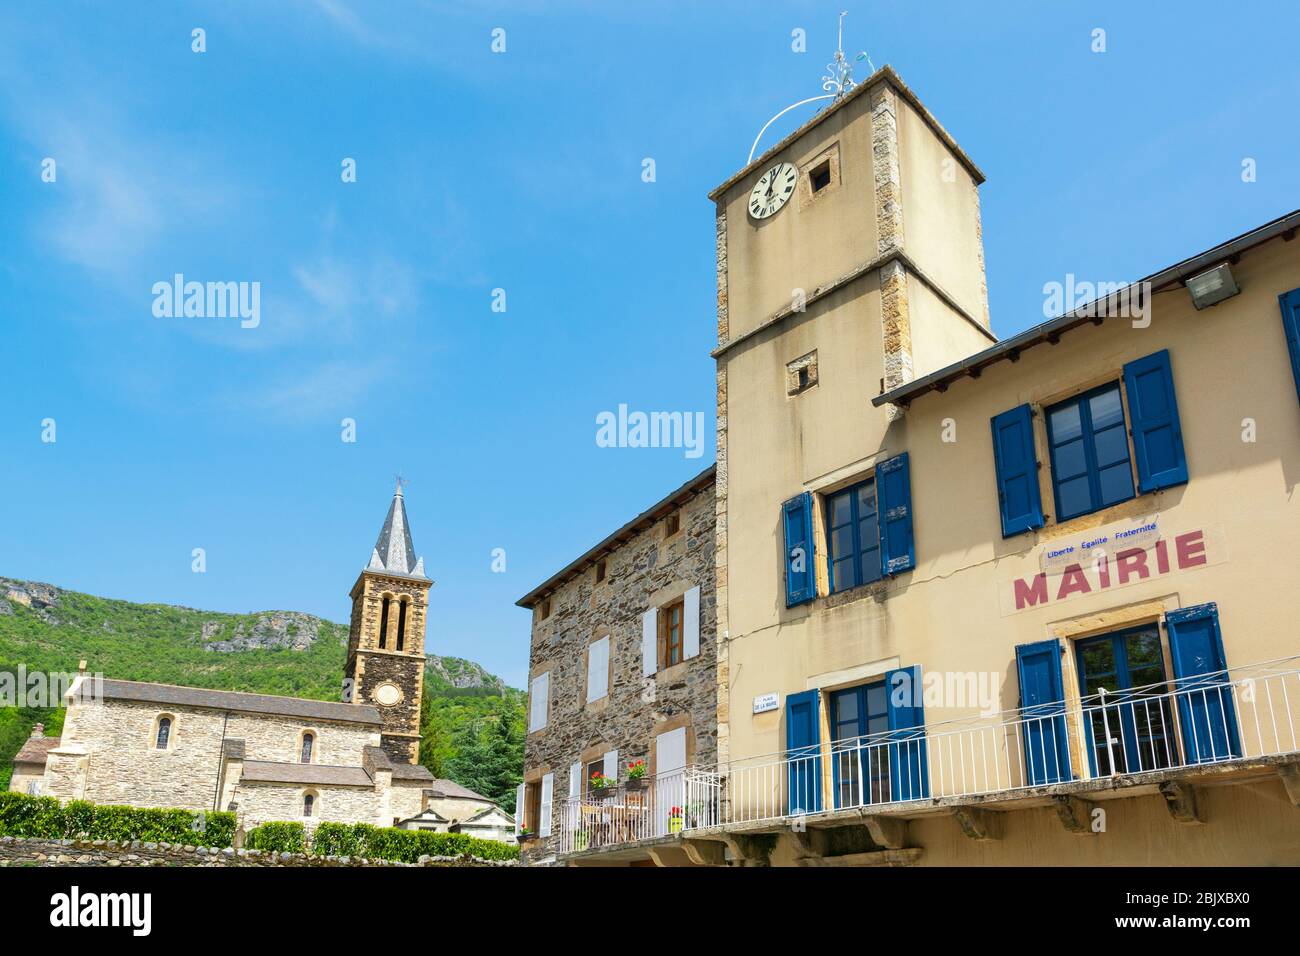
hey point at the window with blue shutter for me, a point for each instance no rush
(1016, 465)
(853, 536)
(800, 576)
(1042, 713)
(1201, 685)
(894, 491)
(803, 752)
(1088, 444)
(1157, 434)
(909, 775)
(1290, 303)
(859, 725)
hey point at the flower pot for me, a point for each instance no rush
(635, 783)
(674, 824)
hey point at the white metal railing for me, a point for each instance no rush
(637, 810)
(1209, 719)
(1212, 718)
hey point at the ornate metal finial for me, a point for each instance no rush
(837, 82)
(839, 76)
(400, 481)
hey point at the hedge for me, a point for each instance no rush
(277, 838)
(403, 846)
(25, 816)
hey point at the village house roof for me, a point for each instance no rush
(1090, 313)
(450, 788)
(411, 771)
(35, 750)
(641, 522)
(485, 812)
(179, 696)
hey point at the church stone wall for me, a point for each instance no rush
(265, 802)
(123, 765)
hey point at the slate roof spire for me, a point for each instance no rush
(394, 552)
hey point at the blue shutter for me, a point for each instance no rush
(1201, 684)
(1157, 435)
(909, 768)
(1290, 302)
(894, 497)
(1042, 704)
(800, 574)
(803, 752)
(1017, 469)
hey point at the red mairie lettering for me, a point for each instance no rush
(1190, 548)
(1032, 592)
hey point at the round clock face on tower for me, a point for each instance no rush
(386, 694)
(772, 191)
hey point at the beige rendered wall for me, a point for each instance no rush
(941, 221)
(809, 243)
(1229, 363)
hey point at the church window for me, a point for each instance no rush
(383, 625)
(401, 625)
(308, 804)
(308, 742)
(164, 736)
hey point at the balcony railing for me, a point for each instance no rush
(1212, 719)
(638, 810)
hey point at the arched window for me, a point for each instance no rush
(401, 624)
(164, 733)
(308, 741)
(383, 625)
(308, 804)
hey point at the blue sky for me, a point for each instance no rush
(519, 171)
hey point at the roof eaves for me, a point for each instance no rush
(627, 531)
(1052, 330)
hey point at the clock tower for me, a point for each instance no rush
(385, 663)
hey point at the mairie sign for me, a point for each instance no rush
(1145, 557)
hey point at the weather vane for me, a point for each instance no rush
(400, 482)
(837, 82)
(839, 77)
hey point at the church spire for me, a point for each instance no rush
(394, 553)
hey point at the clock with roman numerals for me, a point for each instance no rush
(773, 189)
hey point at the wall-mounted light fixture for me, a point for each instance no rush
(1213, 285)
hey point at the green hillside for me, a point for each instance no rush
(473, 722)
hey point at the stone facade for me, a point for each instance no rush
(23, 851)
(644, 567)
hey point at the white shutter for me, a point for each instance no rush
(691, 623)
(538, 701)
(519, 809)
(575, 779)
(598, 670)
(544, 824)
(650, 642)
(611, 765)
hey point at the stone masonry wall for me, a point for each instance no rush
(123, 766)
(22, 851)
(648, 570)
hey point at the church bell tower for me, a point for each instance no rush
(385, 664)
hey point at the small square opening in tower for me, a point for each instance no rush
(672, 524)
(819, 177)
(600, 571)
